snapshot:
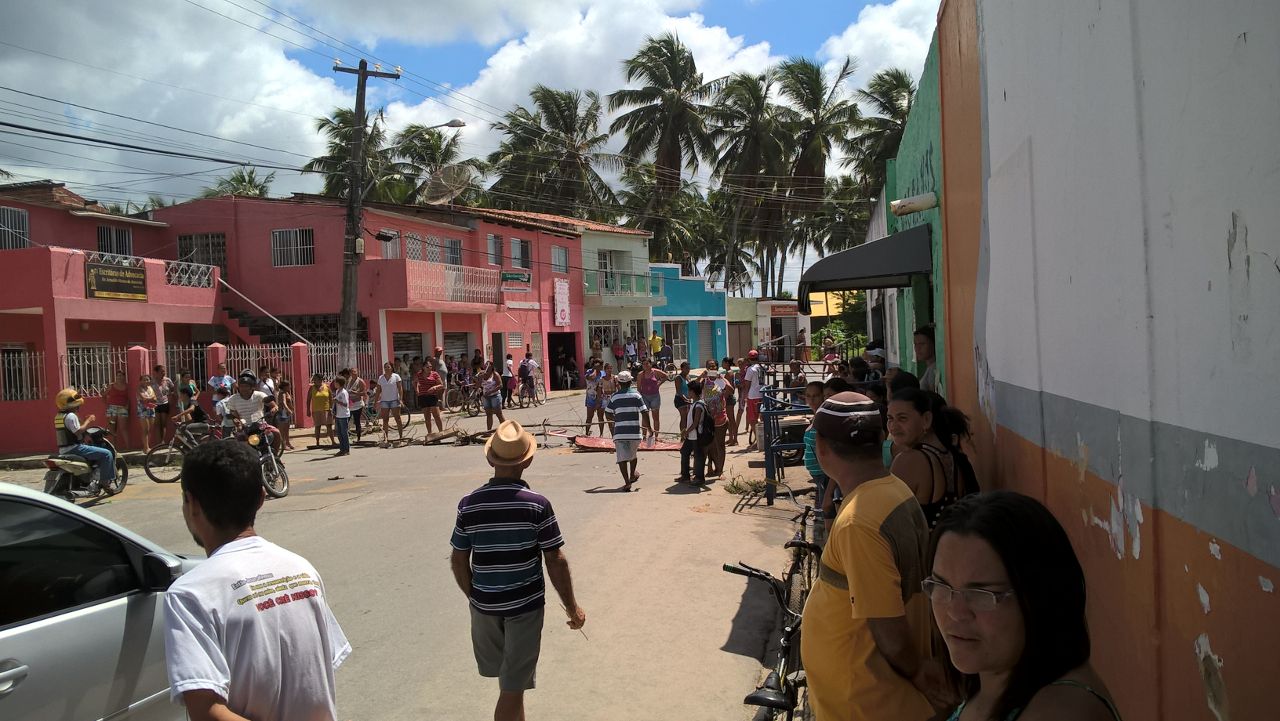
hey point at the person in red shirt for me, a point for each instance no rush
(428, 386)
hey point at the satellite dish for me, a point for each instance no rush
(447, 183)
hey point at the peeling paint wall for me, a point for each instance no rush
(1112, 268)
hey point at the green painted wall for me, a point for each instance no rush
(916, 170)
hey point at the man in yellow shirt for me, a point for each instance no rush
(865, 634)
(655, 344)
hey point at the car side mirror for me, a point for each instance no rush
(159, 571)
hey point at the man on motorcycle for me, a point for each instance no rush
(251, 405)
(71, 430)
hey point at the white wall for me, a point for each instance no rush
(1126, 139)
(593, 241)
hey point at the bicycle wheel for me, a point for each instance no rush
(797, 590)
(539, 394)
(275, 479)
(163, 464)
(453, 399)
(473, 405)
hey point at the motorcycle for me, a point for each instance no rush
(71, 476)
(275, 479)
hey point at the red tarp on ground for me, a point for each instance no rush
(596, 443)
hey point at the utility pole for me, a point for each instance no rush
(354, 245)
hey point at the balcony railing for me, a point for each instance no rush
(625, 285)
(190, 275)
(453, 283)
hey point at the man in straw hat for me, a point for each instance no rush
(867, 603)
(504, 533)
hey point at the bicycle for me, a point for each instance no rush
(163, 464)
(805, 555)
(531, 391)
(780, 691)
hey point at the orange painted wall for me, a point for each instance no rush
(1145, 613)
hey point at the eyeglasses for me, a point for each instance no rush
(975, 599)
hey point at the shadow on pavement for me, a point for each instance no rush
(753, 624)
(602, 489)
(685, 489)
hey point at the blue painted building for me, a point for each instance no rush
(693, 319)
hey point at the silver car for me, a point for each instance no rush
(81, 614)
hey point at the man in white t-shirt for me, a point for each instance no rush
(251, 406)
(248, 633)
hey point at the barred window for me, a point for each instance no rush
(495, 249)
(117, 241)
(413, 246)
(515, 340)
(296, 246)
(204, 248)
(559, 259)
(15, 229)
(89, 367)
(434, 251)
(453, 251)
(521, 254)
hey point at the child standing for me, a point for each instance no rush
(284, 399)
(220, 409)
(342, 411)
(146, 409)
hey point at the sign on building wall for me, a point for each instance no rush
(114, 282)
(777, 311)
(516, 281)
(562, 303)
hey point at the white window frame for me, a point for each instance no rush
(391, 248)
(114, 240)
(293, 247)
(15, 228)
(521, 254)
(559, 259)
(495, 249)
(453, 251)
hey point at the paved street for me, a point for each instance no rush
(669, 635)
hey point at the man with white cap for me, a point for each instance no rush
(503, 535)
(629, 424)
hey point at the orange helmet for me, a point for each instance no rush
(68, 399)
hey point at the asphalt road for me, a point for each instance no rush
(668, 634)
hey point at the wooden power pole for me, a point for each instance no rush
(354, 245)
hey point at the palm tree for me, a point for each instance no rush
(551, 156)
(422, 152)
(242, 181)
(384, 177)
(890, 94)
(753, 143)
(677, 235)
(668, 116)
(823, 119)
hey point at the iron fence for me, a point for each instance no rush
(124, 261)
(187, 358)
(190, 275)
(91, 367)
(21, 375)
(242, 358)
(324, 360)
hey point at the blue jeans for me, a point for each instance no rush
(344, 434)
(699, 453)
(101, 458)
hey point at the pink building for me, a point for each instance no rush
(85, 285)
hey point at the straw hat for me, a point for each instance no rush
(510, 445)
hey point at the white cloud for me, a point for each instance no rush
(889, 35)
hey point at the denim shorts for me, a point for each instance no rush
(117, 411)
(653, 401)
(493, 403)
(144, 412)
(388, 405)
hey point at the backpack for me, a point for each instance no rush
(524, 370)
(707, 427)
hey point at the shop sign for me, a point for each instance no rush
(115, 282)
(776, 311)
(516, 277)
(562, 303)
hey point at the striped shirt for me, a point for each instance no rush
(506, 527)
(625, 408)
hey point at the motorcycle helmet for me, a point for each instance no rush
(68, 399)
(248, 377)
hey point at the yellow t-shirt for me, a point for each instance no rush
(655, 344)
(878, 544)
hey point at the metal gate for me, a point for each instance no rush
(676, 333)
(457, 345)
(706, 343)
(740, 338)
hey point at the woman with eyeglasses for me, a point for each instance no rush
(1008, 596)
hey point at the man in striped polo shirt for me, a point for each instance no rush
(628, 415)
(504, 533)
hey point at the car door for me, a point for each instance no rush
(80, 640)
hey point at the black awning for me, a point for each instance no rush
(885, 263)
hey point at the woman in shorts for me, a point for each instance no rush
(649, 383)
(117, 399)
(387, 396)
(146, 409)
(284, 416)
(164, 388)
(491, 394)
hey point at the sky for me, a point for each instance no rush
(244, 80)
